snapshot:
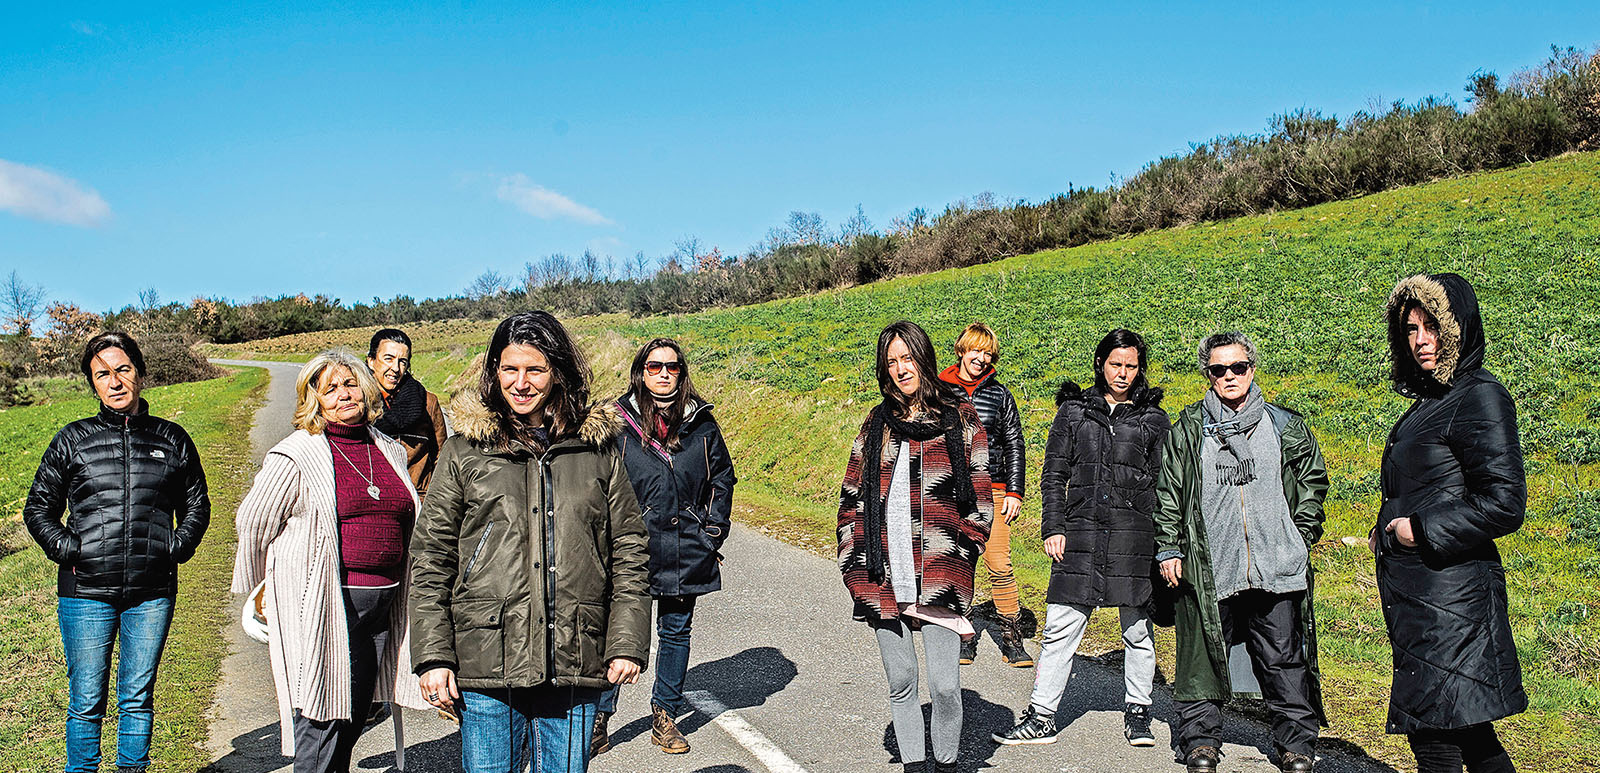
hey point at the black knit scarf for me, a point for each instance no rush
(406, 405)
(951, 428)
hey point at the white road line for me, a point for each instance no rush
(750, 738)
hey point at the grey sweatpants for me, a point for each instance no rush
(1064, 625)
(942, 648)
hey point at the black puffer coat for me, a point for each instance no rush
(1453, 465)
(687, 500)
(138, 504)
(997, 410)
(1099, 487)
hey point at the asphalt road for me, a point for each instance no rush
(782, 679)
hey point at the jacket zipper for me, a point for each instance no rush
(473, 561)
(127, 500)
(547, 550)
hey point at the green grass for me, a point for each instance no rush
(218, 415)
(793, 379)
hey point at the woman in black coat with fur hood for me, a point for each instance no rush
(1452, 483)
(1099, 483)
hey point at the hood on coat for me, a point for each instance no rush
(1451, 301)
(470, 417)
(1143, 395)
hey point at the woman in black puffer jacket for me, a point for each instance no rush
(1099, 488)
(683, 477)
(138, 504)
(1452, 483)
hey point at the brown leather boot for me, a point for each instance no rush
(664, 732)
(1011, 649)
(600, 739)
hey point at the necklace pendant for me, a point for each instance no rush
(372, 491)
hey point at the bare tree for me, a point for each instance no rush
(589, 264)
(149, 300)
(806, 228)
(858, 225)
(641, 265)
(488, 283)
(21, 304)
(688, 250)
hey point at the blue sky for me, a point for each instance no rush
(374, 149)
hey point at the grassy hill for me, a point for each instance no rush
(793, 378)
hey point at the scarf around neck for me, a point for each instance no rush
(402, 407)
(949, 426)
(1226, 424)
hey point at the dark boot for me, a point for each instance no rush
(917, 767)
(969, 650)
(943, 767)
(600, 739)
(1011, 649)
(664, 731)
(1136, 725)
(1296, 763)
(1203, 759)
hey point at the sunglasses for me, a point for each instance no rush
(654, 368)
(1239, 368)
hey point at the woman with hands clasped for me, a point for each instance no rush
(530, 588)
(1452, 484)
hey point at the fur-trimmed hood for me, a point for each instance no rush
(1451, 301)
(470, 417)
(1142, 395)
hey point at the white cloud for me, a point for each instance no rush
(86, 28)
(44, 195)
(545, 204)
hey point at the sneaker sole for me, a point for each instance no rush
(1141, 742)
(1020, 663)
(1022, 741)
(669, 750)
(966, 661)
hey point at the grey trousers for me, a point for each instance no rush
(326, 746)
(942, 648)
(1064, 625)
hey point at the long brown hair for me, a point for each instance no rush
(566, 407)
(932, 394)
(672, 414)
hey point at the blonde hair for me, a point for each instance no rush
(978, 336)
(308, 409)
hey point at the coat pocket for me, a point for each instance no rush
(480, 637)
(590, 632)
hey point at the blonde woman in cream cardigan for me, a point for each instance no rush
(326, 525)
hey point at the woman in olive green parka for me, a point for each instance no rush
(530, 592)
(1187, 560)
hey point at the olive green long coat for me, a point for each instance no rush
(1202, 654)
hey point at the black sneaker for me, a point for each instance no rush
(969, 650)
(1033, 728)
(1136, 725)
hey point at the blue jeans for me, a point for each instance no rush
(499, 727)
(674, 616)
(88, 628)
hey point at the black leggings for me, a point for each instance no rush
(1445, 751)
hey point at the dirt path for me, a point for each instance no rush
(782, 679)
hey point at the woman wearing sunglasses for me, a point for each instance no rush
(1453, 483)
(683, 477)
(1238, 507)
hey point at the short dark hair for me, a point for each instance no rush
(387, 334)
(1121, 338)
(111, 339)
(568, 403)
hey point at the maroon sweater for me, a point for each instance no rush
(372, 532)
